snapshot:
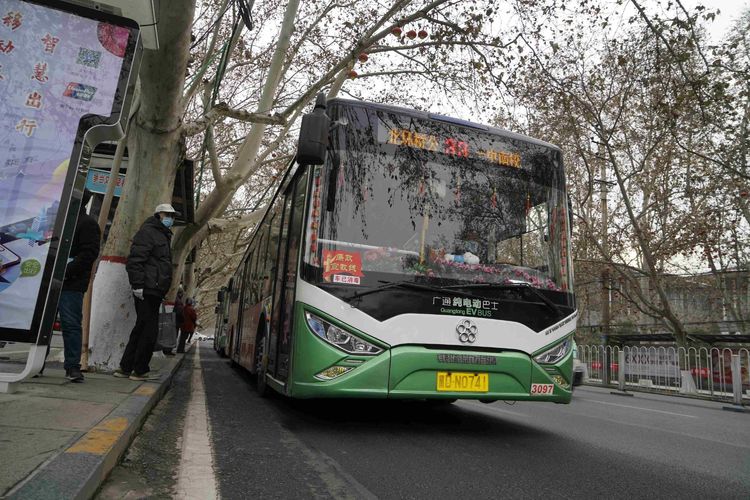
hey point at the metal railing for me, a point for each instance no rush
(693, 371)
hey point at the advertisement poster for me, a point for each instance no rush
(55, 67)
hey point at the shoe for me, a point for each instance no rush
(120, 374)
(74, 375)
(145, 377)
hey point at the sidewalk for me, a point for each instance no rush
(60, 440)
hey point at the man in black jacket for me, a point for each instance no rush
(83, 254)
(149, 270)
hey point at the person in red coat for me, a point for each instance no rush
(189, 320)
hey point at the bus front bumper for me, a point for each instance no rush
(423, 372)
(414, 372)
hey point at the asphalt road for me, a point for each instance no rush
(601, 444)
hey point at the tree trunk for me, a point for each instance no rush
(154, 150)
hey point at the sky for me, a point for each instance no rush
(730, 11)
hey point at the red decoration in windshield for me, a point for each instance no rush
(339, 262)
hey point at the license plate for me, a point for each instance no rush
(463, 382)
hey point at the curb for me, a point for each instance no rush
(78, 471)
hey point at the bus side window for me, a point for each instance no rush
(255, 290)
(274, 231)
(248, 283)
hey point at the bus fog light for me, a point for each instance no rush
(339, 337)
(559, 380)
(333, 372)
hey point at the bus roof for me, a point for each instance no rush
(434, 116)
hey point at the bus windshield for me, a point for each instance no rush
(405, 198)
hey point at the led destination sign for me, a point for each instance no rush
(471, 147)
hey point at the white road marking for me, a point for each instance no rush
(196, 479)
(636, 408)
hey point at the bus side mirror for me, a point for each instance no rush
(220, 296)
(313, 134)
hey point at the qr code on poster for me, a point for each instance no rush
(88, 57)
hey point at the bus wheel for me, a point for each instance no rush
(260, 367)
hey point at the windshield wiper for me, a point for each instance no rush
(515, 285)
(409, 284)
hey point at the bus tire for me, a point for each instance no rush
(261, 385)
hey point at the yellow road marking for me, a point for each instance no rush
(145, 390)
(101, 438)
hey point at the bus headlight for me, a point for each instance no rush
(555, 353)
(340, 338)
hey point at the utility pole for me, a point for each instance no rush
(605, 276)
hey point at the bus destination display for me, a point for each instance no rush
(475, 146)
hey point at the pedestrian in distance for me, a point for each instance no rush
(180, 318)
(84, 251)
(149, 271)
(191, 318)
(177, 310)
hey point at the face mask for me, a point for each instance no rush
(167, 221)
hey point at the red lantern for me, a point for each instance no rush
(363, 57)
(422, 34)
(396, 31)
(352, 74)
(411, 34)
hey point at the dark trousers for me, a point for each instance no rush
(140, 346)
(181, 344)
(70, 309)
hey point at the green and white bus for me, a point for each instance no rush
(409, 255)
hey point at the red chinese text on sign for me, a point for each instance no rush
(40, 72)
(6, 47)
(26, 126)
(34, 100)
(50, 42)
(13, 20)
(339, 262)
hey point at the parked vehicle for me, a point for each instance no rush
(578, 367)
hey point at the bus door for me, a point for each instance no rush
(236, 311)
(278, 273)
(286, 278)
(243, 337)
